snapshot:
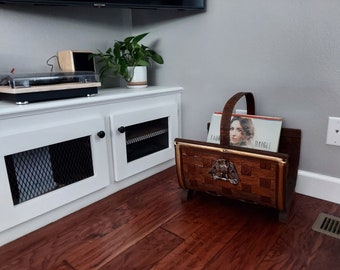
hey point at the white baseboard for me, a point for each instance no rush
(318, 186)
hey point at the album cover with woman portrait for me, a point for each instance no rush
(252, 131)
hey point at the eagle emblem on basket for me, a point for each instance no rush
(224, 170)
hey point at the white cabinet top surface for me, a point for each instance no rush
(105, 96)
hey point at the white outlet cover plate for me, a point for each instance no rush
(333, 131)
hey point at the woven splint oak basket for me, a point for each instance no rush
(255, 176)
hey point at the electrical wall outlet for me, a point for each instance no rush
(333, 131)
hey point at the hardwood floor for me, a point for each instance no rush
(146, 226)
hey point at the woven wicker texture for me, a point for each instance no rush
(257, 177)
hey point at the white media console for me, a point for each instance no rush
(59, 156)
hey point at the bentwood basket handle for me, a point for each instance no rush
(228, 110)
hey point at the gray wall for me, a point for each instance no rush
(31, 35)
(286, 52)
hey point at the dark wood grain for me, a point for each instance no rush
(146, 252)
(147, 226)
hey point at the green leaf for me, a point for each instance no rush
(157, 58)
(128, 52)
(138, 38)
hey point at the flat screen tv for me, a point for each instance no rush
(145, 4)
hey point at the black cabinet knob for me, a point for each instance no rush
(121, 129)
(101, 134)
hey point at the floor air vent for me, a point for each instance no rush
(327, 224)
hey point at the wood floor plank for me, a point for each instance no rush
(328, 254)
(219, 224)
(251, 243)
(299, 246)
(89, 226)
(130, 222)
(146, 252)
(146, 226)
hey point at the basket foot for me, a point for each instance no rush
(283, 216)
(187, 194)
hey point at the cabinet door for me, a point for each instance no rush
(143, 137)
(44, 168)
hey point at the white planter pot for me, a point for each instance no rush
(139, 78)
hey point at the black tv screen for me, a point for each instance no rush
(146, 4)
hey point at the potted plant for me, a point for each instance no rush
(126, 58)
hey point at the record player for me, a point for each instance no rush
(33, 87)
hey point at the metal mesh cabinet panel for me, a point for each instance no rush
(38, 171)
